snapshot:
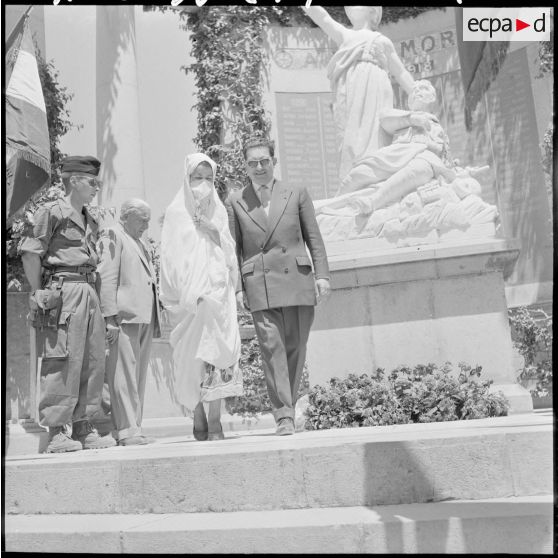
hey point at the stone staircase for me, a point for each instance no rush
(469, 486)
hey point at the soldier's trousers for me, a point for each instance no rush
(72, 359)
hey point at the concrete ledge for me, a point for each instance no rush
(434, 304)
(488, 458)
(353, 254)
(27, 437)
(507, 525)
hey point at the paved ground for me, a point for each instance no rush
(479, 486)
(265, 440)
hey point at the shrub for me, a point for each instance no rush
(255, 398)
(244, 318)
(532, 337)
(57, 99)
(355, 401)
(420, 394)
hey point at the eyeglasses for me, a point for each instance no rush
(265, 163)
(92, 182)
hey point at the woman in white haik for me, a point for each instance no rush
(199, 271)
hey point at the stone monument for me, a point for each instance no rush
(410, 192)
(417, 264)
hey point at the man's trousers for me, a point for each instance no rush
(72, 359)
(127, 372)
(282, 335)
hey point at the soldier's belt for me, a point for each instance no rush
(75, 277)
(73, 269)
(73, 274)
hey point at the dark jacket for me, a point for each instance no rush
(274, 265)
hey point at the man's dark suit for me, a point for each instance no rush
(276, 275)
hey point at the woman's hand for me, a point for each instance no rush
(241, 301)
(205, 224)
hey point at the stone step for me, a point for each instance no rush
(503, 525)
(27, 437)
(401, 464)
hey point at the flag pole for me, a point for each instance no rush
(19, 21)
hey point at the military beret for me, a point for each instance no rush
(82, 164)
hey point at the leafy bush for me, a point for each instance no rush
(244, 318)
(355, 401)
(56, 98)
(532, 337)
(420, 394)
(255, 398)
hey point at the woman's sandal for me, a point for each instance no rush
(200, 434)
(212, 436)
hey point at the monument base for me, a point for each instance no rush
(418, 305)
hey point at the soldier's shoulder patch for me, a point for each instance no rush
(94, 213)
(53, 208)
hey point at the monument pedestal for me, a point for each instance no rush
(418, 305)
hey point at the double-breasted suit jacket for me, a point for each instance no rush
(276, 275)
(275, 269)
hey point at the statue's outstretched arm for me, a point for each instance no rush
(392, 120)
(397, 68)
(333, 29)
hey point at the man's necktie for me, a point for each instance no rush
(265, 196)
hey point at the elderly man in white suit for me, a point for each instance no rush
(130, 307)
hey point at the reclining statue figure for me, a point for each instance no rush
(419, 152)
(410, 187)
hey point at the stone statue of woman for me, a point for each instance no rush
(359, 74)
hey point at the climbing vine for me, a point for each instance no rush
(546, 65)
(229, 61)
(57, 98)
(228, 69)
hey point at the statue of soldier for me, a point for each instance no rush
(60, 260)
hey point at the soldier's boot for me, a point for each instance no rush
(87, 435)
(59, 440)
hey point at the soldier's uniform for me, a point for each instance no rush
(72, 349)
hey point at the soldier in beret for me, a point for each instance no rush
(60, 261)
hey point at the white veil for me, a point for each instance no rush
(183, 256)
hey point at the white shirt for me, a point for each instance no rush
(259, 194)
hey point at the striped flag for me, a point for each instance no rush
(27, 139)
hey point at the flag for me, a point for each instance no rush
(27, 139)
(480, 63)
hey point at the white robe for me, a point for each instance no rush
(198, 291)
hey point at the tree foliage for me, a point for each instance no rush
(229, 60)
(56, 98)
(228, 68)
(546, 56)
(532, 337)
(546, 66)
